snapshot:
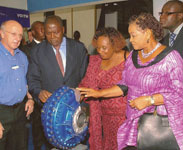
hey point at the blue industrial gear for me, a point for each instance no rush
(65, 123)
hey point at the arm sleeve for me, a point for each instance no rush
(121, 84)
(123, 88)
(34, 76)
(173, 96)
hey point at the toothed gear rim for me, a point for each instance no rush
(65, 124)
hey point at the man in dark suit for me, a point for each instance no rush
(171, 18)
(45, 74)
(37, 29)
(30, 37)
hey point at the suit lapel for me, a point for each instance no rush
(166, 39)
(69, 59)
(178, 39)
(33, 43)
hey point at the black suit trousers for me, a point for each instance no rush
(13, 119)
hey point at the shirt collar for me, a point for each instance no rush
(37, 41)
(177, 30)
(63, 44)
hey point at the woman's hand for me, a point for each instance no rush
(141, 102)
(88, 92)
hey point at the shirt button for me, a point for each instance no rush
(19, 89)
(17, 79)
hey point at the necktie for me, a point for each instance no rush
(172, 38)
(59, 60)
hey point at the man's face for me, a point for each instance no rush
(170, 18)
(30, 37)
(54, 33)
(38, 32)
(11, 35)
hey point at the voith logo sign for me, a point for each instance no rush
(22, 16)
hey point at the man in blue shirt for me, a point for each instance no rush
(13, 88)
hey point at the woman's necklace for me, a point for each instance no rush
(145, 55)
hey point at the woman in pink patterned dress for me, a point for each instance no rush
(154, 76)
(104, 71)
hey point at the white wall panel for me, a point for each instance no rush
(84, 22)
(67, 15)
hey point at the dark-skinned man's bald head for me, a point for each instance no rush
(37, 29)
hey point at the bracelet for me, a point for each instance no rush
(152, 100)
(30, 98)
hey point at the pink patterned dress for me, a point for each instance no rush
(164, 77)
(106, 115)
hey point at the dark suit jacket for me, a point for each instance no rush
(27, 48)
(178, 43)
(44, 72)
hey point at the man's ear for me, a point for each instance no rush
(180, 15)
(2, 34)
(33, 33)
(149, 33)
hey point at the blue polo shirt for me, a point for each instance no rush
(13, 70)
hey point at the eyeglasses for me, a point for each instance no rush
(15, 34)
(168, 13)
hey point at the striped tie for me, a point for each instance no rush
(172, 39)
(59, 60)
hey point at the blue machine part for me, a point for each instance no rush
(65, 123)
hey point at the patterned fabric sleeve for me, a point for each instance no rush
(173, 95)
(122, 85)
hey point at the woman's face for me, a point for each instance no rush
(138, 37)
(104, 47)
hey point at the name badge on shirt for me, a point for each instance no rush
(15, 67)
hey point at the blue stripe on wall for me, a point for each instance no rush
(38, 5)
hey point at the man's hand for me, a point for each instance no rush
(1, 130)
(44, 95)
(29, 107)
